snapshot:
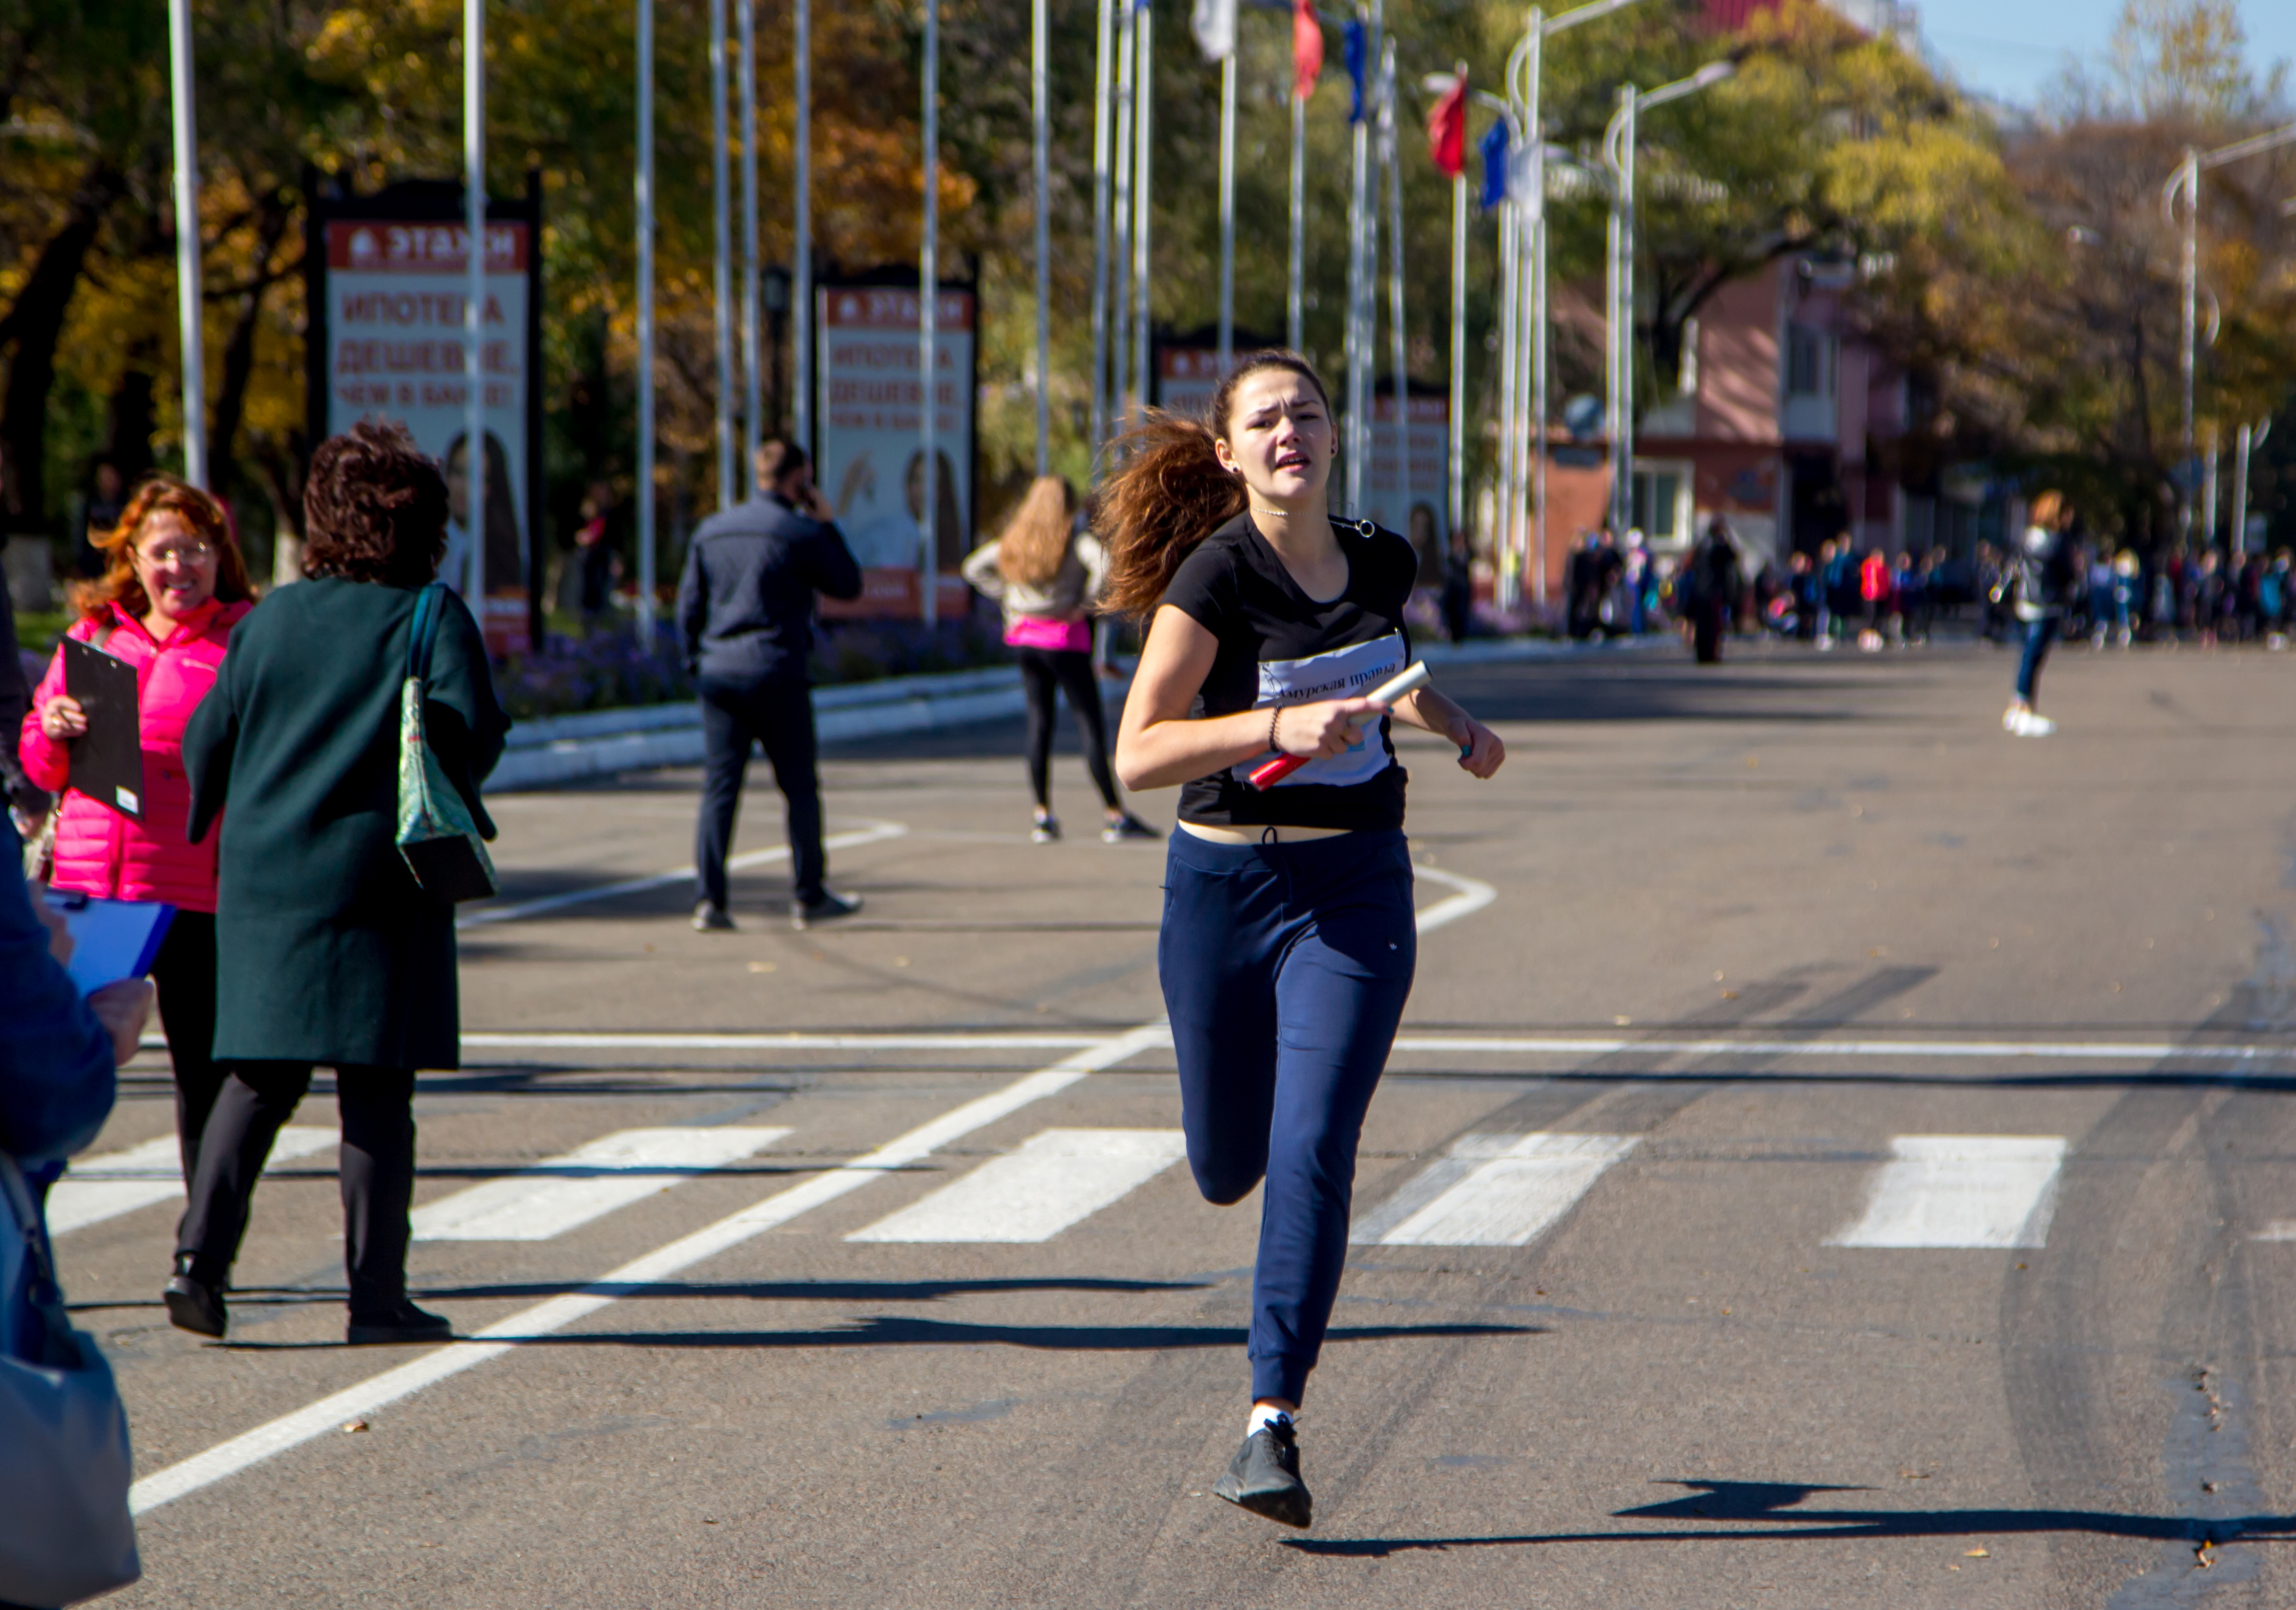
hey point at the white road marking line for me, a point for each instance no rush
(2279, 1230)
(1492, 1190)
(97, 1189)
(874, 832)
(782, 1042)
(1961, 1190)
(2063, 1050)
(563, 1193)
(1058, 1178)
(229, 1457)
(1473, 894)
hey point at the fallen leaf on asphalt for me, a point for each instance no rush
(1729, 995)
(354, 1425)
(761, 966)
(1623, 1022)
(1975, 1554)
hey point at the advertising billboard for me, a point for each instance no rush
(869, 460)
(1425, 518)
(388, 341)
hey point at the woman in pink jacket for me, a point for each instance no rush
(174, 585)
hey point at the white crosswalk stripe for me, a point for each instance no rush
(563, 1193)
(1961, 1191)
(1057, 1179)
(1492, 1190)
(97, 1189)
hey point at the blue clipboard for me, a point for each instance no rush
(112, 939)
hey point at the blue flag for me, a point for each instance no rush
(1494, 166)
(1358, 62)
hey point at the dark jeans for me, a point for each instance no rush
(778, 714)
(377, 1171)
(1044, 673)
(185, 973)
(1285, 970)
(2038, 634)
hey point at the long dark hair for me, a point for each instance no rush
(1172, 491)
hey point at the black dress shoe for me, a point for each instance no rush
(404, 1323)
(192, 1304)
(1264, 1477)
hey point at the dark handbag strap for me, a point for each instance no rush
(45, 1295)
(429, 603)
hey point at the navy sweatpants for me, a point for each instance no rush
(1285, 969)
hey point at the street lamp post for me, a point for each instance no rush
(189, 302)
(2186, 182)
(1618, 152)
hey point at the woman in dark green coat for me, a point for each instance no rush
(328, 952)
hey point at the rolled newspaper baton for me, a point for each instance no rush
(1415, 678)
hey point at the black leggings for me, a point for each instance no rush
(185, 971)
(1070, 670)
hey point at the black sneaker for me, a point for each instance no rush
(192, 1304)
(711, 919)
(404, 1323)
(1265, 1476)
(827, 908)
(1126, 827)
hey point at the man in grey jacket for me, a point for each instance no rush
(745, 613)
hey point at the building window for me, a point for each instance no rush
(1661, 511)
(1810, 361)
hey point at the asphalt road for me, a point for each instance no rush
(1834, 1158)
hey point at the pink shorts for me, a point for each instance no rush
(1041, 631)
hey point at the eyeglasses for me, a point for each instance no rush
(178, 553)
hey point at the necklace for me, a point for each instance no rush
(1278, 513)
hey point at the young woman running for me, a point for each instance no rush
(1288, 941)
(1047, 574)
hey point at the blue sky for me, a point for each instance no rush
(2013, 50)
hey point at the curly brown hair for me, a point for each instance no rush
(158, 494)
(374, 508)
(1172, 492)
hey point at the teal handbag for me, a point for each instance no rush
(435, 833)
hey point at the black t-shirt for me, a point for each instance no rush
(1279, 646)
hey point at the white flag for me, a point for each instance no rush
(1214, 23)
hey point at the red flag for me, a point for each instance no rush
(1307, 48)
(1447, 130)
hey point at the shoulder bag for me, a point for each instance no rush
(435, 833)
(65, 1530)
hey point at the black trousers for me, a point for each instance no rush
(185, 973)
(1043, 672)
(778, 714)
(377, 1171)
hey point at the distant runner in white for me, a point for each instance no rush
(1289, 941)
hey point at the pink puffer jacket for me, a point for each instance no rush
(98, 851)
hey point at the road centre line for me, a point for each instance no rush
(874, 833)
(229, 1457)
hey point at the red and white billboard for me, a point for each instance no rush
(1424, 518)
(871, 459)
(396, 295)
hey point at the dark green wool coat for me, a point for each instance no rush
(326, 950)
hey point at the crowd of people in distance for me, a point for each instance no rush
(2206, 598)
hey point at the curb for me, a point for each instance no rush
(553, 751)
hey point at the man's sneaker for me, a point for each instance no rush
(192, 1304)
(827, 908)
(711, 919)
(1126, 827)
(404, 1323)
(2032, 726)
(1046, 831)
(1264, 1477)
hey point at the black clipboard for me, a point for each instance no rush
(107, 759)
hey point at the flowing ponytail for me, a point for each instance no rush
(1172, 492)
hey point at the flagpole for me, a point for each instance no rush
(1119, 266)
(1533, 121)
(753, 396)
(644, 207)
(1358, 394)
(1295, 334)
(1227, 210)
(801, 247)
(721, 267)
(1457, 440)
(1100, 200)
(1397, 348)
(189, 300)
(1144, 89)
(928, 328)
(1502, 522)
(475, 468)
(1039, 94)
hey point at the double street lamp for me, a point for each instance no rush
(2185, 182)
(1618, 152)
